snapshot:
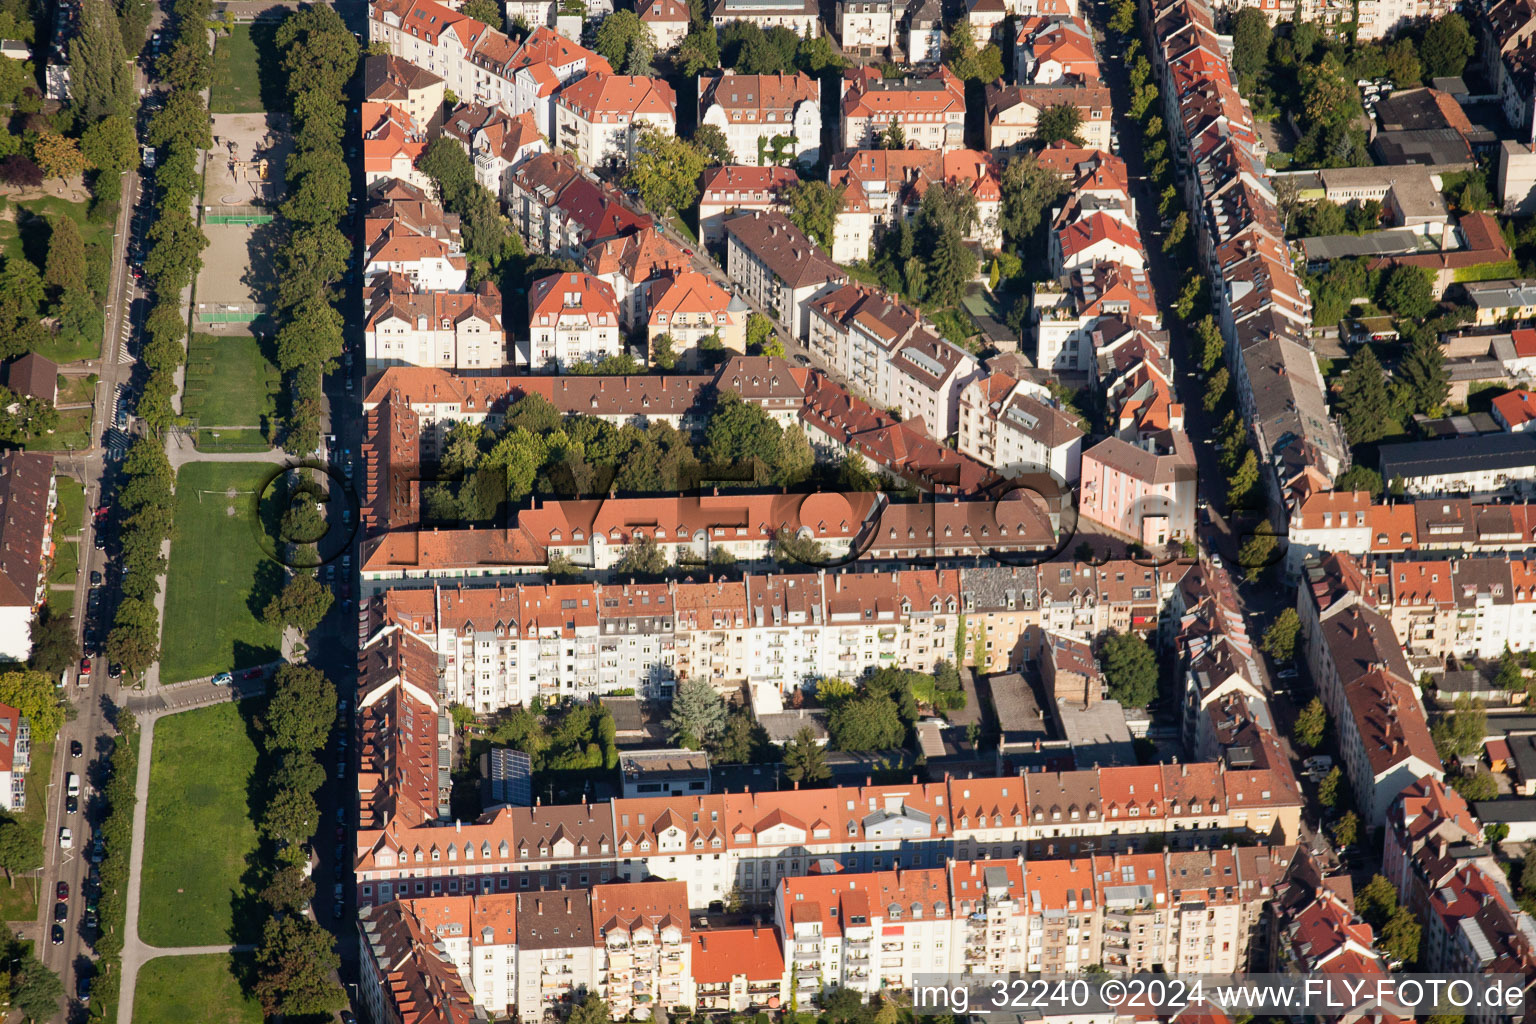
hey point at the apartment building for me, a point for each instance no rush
(1145, 490)
(868, 28)
(392, 143)
(496, 142)
(417, 91)
(558, 210)
(1097, 237)
(690, 308)
(15, 758)
(1067, 312)
(644, 947)
(766, 119)
(1012, 425)
(29, 494)
(405, 232)
(668, 20)
(479, 64)
(572, 318)
(802, 17)
(1365, 681)
(449, 330)
(600, 117)
(869, 933)
(888, 353)
(779, 268)
(1012, 113)
(737, 188)
(929, 111)
(838, 425)
(738, 969)
(635, 264)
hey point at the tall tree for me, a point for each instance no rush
(1312, 722)
(1028, 192)
(813, 208)
(867, 722)
(65, 266)
(302, 710)
(804, 759)
(100, 76)
(1250, 43)
(627, 43)
(1060, 123)
(1280, 638)
(1364, 404)
(1407, 292)
(55, 646)
(1130, 670)
(1422, 375)
(665, 170)
(35, 990)
(1447, 45)
(698, 714)
(295, 961)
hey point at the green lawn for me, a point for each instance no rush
(198, 832)
(61, 600)
(66, 562)
(241, 439)
(216, 566)
(230, 382)
(73, 433)
(76, 389)
(71, 511)
(20, 903)
(238, 78)
(194, 990)
(29, 221)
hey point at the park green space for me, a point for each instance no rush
(19, 902)
(204, 989)
(70, 516)
(220, 577)
(199, 837)
(244, 78)
(230, 383)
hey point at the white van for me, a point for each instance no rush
(72, 784)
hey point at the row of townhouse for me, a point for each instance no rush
(882, 187)
(408, 846)
(575, 99)
(594, 534)
(497, 142)
(516, 954)
(927, 110)
(507, 645)
(767, 120)
(890, 354)
(1457, 607)
(1262, 308)
(429, 401)
(1358, 665)
(406, 233)
(1435, 855)
(453, 330)
(1353, 521)
(1056, 65)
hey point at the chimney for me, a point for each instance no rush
(541, 908)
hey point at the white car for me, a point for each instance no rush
(66, 839)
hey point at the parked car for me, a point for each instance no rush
(83, 989)
(95, 578)
(61, 911)
(61, 891)
(71, 805)
(98, 851)
(222, 679)
(57, 935)
(1317, 764)
(75, 749)
(114, 670)
(66, 839)
(85, 667)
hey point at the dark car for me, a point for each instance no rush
(61, 911)
(61, 891)
(95, 577)
(114, 671)
(100, 540)
(75, 749)
(83, 989)
(57, 935)
(71, 805)
(348, 1017)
